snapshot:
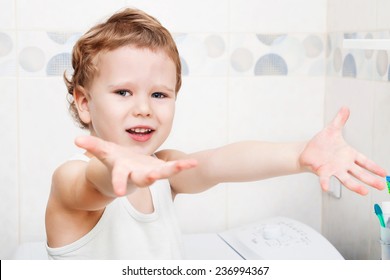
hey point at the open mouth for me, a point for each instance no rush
(140, 134)
(140, 131)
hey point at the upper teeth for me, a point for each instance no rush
(140, 130)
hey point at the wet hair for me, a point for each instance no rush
(128, 27)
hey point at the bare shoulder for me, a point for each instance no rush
(65, 181)
(72, 190)
(68, 216)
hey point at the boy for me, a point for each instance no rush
(116, 200)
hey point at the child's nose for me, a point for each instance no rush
(142, 107)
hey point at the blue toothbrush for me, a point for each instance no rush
(378, 212)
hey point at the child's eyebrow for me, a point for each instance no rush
(156, 87)
(165, 88)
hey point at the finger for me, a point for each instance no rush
(173, 167)
(353, 185)
(142, 179)
(185, 164)
(367, 178)
(324, 183)
(370, 165)
(341, 118)
(119, 177)
(94, 145)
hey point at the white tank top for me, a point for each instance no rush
(124, 233)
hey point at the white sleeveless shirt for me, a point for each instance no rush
(125, 233)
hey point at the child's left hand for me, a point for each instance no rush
(327, 154)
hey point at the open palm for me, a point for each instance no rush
(328, 154)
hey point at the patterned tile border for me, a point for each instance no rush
(43, 54)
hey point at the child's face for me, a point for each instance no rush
(132, 98)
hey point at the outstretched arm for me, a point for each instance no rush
(325, 155)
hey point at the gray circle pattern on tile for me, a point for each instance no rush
(313, 46)
(241, 59)
(271, 65)
(382, 61)
(349, 66)
(271, 39)
(32, 59)
(215, 45)
(6, 44)
(58, 64)
(184, 67)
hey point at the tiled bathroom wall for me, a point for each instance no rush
(251, 70)
(358, 79)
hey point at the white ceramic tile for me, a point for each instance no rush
(46, 140)
(187, 16)
(383, 19)
(275, 108)
(294, 196)
(201, 115)
(358, 96)
(351, 15)
(381, 125)
(7, 14)
(9, 189)
(71, 15)
(203, 212)
(270, 16)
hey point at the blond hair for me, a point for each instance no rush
(127, 27)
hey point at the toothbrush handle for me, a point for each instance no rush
(381, 220)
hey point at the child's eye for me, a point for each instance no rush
(123, 92)
(158, 95)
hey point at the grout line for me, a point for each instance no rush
(18, 130)
(228, 92)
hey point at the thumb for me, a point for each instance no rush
(94, 145)
(341, 118)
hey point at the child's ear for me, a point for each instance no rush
(81, 99)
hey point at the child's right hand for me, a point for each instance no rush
(129, 169)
